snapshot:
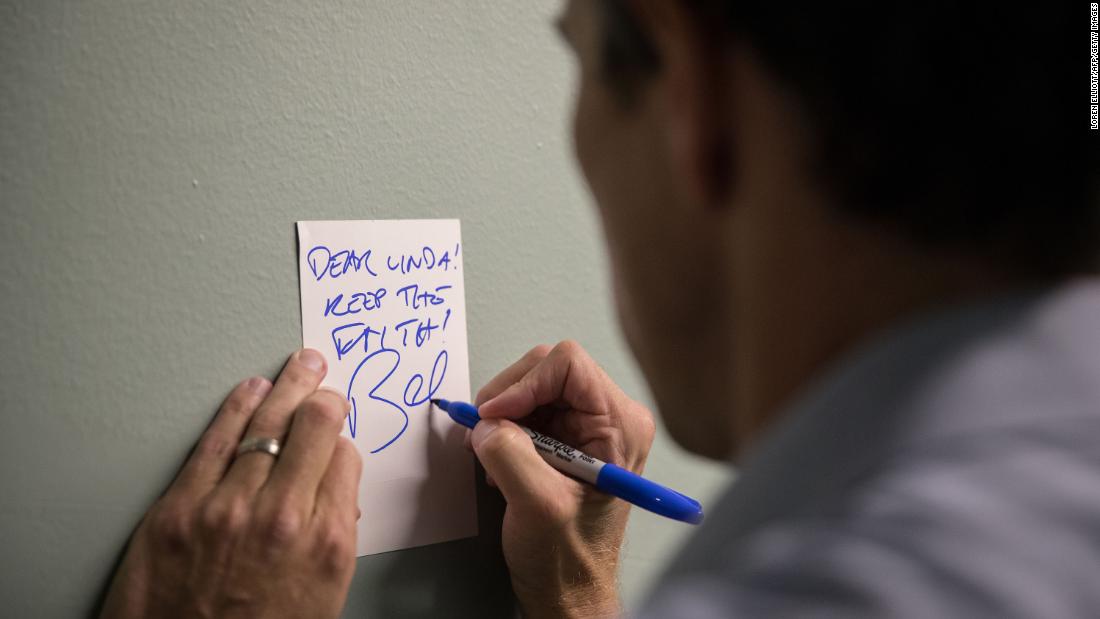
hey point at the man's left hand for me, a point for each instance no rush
(253, 535)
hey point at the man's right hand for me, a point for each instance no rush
(561, 537)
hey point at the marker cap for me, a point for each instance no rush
(617, 481)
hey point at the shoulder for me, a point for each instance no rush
(999, 525)
(955, 475)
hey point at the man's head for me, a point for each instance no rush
(776, 181)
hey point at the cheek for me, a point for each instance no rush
(624, 309)
(598, 145)
(602, 142)
(583, 138)
(593, 147)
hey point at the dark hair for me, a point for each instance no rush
(958, 124)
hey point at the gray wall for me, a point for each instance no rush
(154, 158)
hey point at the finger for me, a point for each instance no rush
(214, 452)
(339, 488)
(309, 447)
(511, 374)
(566, 374)
(523, 477)
(299, 378)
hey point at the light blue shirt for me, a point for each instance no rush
(951, 468)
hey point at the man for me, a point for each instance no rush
(848, 246)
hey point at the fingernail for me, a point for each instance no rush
(258, 385)
(482, 431)
(311, 359)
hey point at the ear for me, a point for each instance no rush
(694, 86)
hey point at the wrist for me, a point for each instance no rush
(580, 602)
(587, 588)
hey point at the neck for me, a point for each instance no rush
(810, 293)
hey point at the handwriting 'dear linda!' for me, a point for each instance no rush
(385, 302)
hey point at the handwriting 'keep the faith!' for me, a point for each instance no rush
(385, 302)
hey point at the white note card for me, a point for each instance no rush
(384, 302)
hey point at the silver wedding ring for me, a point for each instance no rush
(258, 443)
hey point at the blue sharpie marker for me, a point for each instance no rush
(613, 480)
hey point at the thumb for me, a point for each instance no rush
(509, 457)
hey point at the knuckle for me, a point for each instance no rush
(551, 513)
(225, 518)
(236, 405)
(648, 426)
(499, 440)
(213, 446)
(266, 423)
(538, 352)
(347, 450)
(299, 376)
(323, 409)
(335, 546)
(281, 522)
(483, 395)
(171, 525)
(570, 349)
(241, 401)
